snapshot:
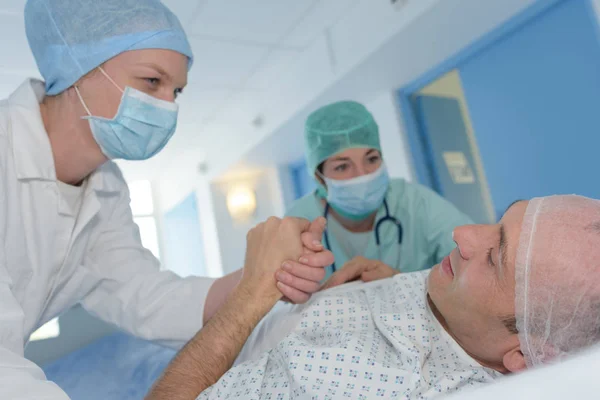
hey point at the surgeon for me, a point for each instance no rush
(112, 70)
(386, 225)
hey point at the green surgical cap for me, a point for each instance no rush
(337, 127)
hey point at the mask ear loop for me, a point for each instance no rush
(322, 186)
(110, 79)
(320, 175)
(81, 97)
(81, 100)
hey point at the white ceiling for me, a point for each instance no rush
(242, 50)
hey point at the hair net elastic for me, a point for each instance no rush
(338, 127)
(70, 38)
(557, 276)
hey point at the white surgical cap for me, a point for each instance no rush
(70, 38)
(558, 278)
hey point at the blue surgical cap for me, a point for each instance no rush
(70, 38)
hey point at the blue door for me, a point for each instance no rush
(534, 100)
(451, 163)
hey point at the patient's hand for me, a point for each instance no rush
(276, 241)
(360, 268)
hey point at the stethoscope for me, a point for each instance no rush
(386, 218)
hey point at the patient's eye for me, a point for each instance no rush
(490, 259)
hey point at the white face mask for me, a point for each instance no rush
(356, 198)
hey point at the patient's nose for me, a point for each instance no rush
(470, 239)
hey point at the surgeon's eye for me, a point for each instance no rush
(177, 92)
(374, 159)
(341, 168)
(152, 82)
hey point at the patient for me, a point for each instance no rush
(518, 294)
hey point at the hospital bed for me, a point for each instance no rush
(116, 367)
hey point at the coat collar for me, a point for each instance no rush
(31, 147)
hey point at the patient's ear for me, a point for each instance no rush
(514, 360)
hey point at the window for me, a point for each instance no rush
(148, 233)
(142, 206)
(49, 330)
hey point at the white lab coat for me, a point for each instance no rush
(106, 269)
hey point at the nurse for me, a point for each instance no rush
(112, 70)
(377, 226)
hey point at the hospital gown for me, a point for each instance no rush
(367, 341)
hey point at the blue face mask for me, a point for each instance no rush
(357, 198)
(141, 128)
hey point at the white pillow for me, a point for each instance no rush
(576, 378)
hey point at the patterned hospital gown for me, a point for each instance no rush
(373, 341)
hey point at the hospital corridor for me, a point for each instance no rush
(314, 199)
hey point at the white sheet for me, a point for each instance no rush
(360, 341)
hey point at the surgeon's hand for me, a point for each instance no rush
(299, 279)
(269, 245)
(360, 268)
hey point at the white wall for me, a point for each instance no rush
(232, 234)
(169, 194)
(395, 149)
(224, 239)
(209, 224)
